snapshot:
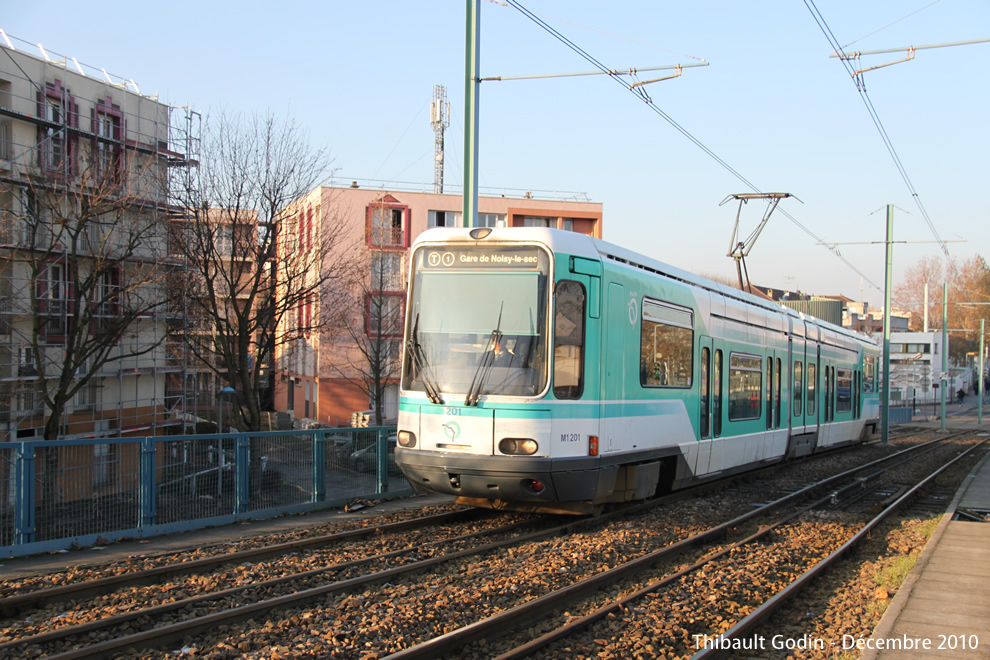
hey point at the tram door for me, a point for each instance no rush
(620, 322)
(775, 408)
(827, 414)
(812, 380)
(804, 354)
(705, 382)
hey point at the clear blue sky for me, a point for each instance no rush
(772, 105)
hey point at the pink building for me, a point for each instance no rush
(328, 378)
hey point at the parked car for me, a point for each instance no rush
(366, 460)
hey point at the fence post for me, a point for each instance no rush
(382, 464)
(148, 491)
(24, 489)
(319, 466)
(242, 458)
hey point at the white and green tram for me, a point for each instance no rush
(550, 371)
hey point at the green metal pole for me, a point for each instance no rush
(472, 89)
(945, 341)
(979, 399)
(885, 395)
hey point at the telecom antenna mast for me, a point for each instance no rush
(440, 120)
(738, 249)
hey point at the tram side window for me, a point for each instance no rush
(869, 373)
(843, 390)
(745, 387)
(769, 393)
(798, 388)
(829, 394)
(717, 395)
(666, 345)
(812, 384)
(568, 340)
(705, 366)
(857, 394)
(776, 395)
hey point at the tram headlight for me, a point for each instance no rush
(518, 446)
(406, 439)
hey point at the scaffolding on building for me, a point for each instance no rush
(55, 113)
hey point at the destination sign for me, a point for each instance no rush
(473, 258)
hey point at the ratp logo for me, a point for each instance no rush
(452, 430)
(633, 310)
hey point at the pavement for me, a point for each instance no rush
(957, 416)
(942, 610)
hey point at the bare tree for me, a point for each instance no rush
(366, 333)
(969, 282)
(90, 254)
(256, 250)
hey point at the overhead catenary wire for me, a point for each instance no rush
(875, 117)
(640, 91)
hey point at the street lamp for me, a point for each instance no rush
(225, 393)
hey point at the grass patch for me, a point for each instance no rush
(892, 573)
(927, 527)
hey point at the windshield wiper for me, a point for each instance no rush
(419, 360)
(485, 366)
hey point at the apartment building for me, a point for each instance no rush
(330, 375)
(86, 164)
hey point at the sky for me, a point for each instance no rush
(771, 111)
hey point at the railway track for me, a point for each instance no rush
(256, 602)
(644, 601)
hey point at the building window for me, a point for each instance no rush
(53, 145)
(386, 271)
(9, 226)
(392, 352)
(223, 236)
(384, 314)
(55, 304)
(88, 397)
(745, 386)
(309, 229)
(106, 300)
(6, 141)
(304, 316)
(443, 219)
(387, 224)
(666, 345)
(530, 221)
(57, 108)
(490, 219)
(107, 121)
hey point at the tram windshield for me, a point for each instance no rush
(477, 322)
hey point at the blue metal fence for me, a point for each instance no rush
(56, 494)
(900, 415)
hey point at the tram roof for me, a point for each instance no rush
(576, 244)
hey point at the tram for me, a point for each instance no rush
(546, 370)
